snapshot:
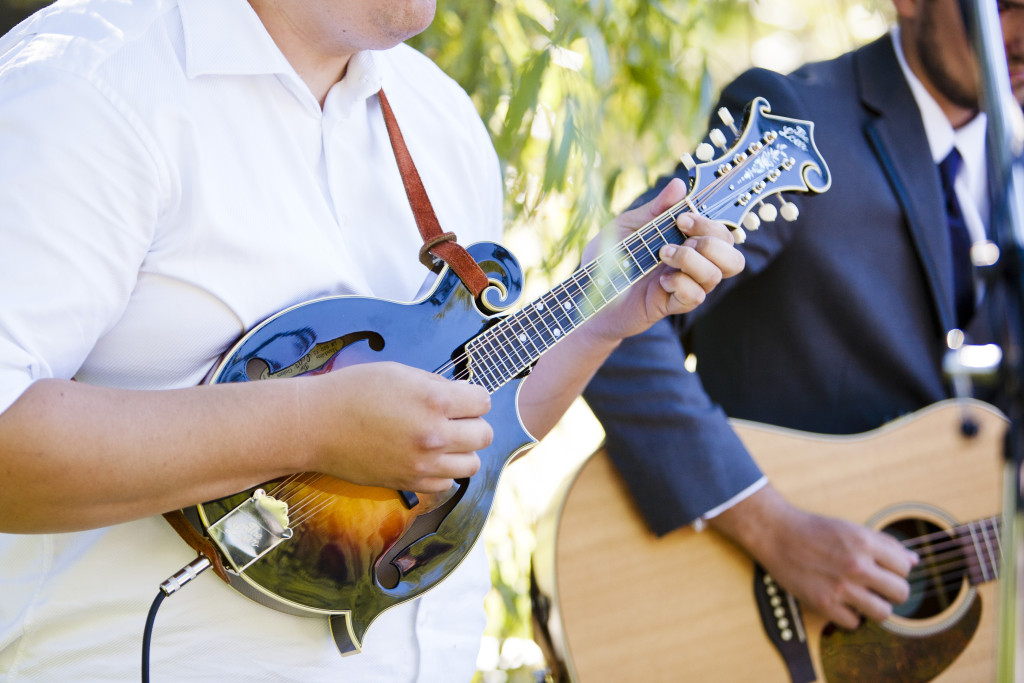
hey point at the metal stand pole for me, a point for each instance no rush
(1004, 145)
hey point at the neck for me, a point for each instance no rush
(958, 116)
(955, 113)
(304, 48)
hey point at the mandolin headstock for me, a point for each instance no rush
(770, 156)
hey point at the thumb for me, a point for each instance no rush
(670, 195)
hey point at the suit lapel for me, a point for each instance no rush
(911, 173)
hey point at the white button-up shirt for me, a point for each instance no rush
(168, 182)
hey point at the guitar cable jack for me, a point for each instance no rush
(185, 574)
(171, 585)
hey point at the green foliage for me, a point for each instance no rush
(588, 100)
(578, 95)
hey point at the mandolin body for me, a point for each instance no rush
(360, 550)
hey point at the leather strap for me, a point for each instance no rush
(197, 541)
(437, 243)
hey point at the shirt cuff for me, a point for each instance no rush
(701, 522)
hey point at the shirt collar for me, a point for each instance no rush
(362, 81)
(250, 49)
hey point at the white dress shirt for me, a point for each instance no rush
(168, 182)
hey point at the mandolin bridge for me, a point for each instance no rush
(251, 530)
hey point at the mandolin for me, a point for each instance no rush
(310, 544)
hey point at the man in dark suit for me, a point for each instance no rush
(838, 323)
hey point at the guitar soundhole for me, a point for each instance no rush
(938, 579)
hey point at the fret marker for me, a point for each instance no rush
(567, 305)
(523, 338)
(539, 306)
(557, 332)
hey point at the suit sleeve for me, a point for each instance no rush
(673, 445)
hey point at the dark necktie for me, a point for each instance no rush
(960, 242)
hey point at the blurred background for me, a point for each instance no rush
(587, 102)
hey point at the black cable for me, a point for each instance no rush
(147, 634)
(171, 585)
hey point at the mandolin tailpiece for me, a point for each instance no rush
(251, 530)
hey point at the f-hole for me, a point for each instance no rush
(400, 559)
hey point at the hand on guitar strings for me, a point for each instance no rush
(405, 429)
(688, 272)
(841, 570)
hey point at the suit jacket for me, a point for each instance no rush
(836, 325)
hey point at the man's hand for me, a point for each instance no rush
(396, 426)
(841, 570)
(687, 272)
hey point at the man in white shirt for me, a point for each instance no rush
(174, 173)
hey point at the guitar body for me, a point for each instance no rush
(365, 550)
(618, 603)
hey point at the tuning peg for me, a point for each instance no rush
(738, 236)
(789, 211)
(751, 222)
(718, 139)
(767, 212)
(688, 161)
(705, 152)
(728, 120)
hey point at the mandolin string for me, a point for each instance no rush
(296, 504)
(326, 501)
(667, 219)
(275, 490)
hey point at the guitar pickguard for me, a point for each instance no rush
(874, 653)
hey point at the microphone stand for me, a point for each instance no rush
(1004, 146)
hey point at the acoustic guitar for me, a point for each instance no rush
(612, 602)
(313, 545)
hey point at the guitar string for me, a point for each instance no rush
(956, 548)
(944, 533)
(952, 561)
(664, 221)
(948, 563)
(948, 584)
(957, 538)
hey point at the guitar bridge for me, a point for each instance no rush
(251, 530)
(783, 624)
